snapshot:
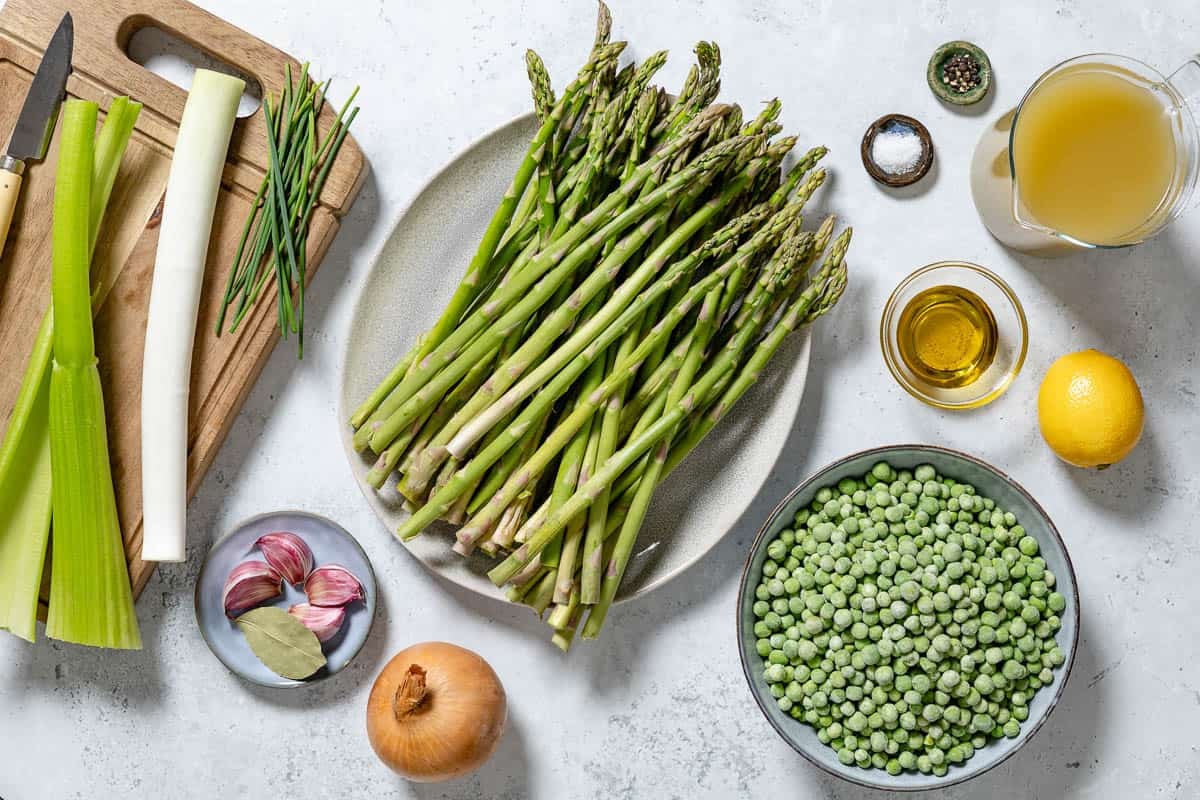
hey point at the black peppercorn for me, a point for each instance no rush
(961, 72)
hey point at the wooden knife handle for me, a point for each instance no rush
(10, 188)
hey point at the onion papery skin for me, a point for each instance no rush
(441, 723)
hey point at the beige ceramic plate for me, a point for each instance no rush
(415, 273)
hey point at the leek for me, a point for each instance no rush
(191, 199)
(25, 472)
(91, 601)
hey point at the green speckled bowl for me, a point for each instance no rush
(991, 483)
(933, 73)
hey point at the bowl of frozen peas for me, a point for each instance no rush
(907, 617)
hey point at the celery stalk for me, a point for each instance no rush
(25, 494)
(91, 600)
(25, 490)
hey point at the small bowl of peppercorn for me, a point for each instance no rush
(959, 73)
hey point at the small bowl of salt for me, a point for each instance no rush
(897, 150)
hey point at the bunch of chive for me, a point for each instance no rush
(274, 239)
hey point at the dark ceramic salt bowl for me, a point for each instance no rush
(990, 482)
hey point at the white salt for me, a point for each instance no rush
(896, 149)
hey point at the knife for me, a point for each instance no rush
(35, 125)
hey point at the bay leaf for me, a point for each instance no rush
(281, 642)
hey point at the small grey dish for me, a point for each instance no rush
(990, 482)
(330, 544)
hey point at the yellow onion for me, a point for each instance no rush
(436, 712)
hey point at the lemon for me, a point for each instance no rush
(1090, 409)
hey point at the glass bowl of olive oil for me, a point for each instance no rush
(954, 335)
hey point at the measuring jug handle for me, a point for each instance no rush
(1186, 82)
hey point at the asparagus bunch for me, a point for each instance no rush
(647, 261)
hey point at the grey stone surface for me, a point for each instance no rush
(658, 708)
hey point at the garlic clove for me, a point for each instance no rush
(332, 585)
(324, 622)
(250, 584)
(289, 554)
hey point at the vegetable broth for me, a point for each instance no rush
(1095, 154)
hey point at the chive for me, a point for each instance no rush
(274, 240)
(235, 274)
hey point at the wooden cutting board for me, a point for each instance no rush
(224, 368)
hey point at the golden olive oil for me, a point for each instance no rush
(1095, 154)
(947, 336)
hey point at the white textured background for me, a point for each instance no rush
(658, 708)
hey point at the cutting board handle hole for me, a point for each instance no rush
(175, 60)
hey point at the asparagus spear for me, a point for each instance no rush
(465, 293)
(481, 412)
(681, 448)
(645, 490)
(829, 285)
(540, 84)
(604, 321)
(662, 428)
(513, 301)
(790, 254)
(576, 472)
(622, 372)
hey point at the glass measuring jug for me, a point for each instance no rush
(1103, 151)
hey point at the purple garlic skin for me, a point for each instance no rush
(249, 585)
(324, 622)
(332, 586)
(288, 554)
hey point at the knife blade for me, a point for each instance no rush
(35, 125)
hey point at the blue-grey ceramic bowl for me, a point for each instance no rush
(330, 544)
(991, 483)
